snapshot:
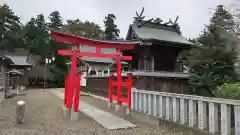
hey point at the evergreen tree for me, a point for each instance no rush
(40, 23)
(43, 36)
(58, 68)
(84, 29)
(31, 35)
(10, 29)
(55, 24)
(36, 36)
(212, 63)
(236, 14)
(74, 27)
(111, 30)
(55, 21)
(92, 30)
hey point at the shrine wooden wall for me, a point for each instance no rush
(165, 57)
(100, 85)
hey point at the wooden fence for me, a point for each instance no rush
(208, 114)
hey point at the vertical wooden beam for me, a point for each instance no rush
(108, 72)
(202, 117)
(192, 113)
(152, 58)
(150, 103)
(119, 79)
(213, 118)
(225, 120)
(170, 108)
(237, 119)
(133, 99)
(176, 111)
(160, 106)
(155, 105)
(102, 73)
(77, 92)
(76, 81)
(133, 96)
(183, 111)
(167, 108)
(72, 79)
(98, 50)
(164, 106)
(144, 102)
(140, 101)
(129, 91)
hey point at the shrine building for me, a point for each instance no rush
(155, 65)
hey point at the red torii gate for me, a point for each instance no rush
(72, 82)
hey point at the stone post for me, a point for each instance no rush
(20, 111)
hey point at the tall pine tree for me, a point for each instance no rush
(36, 36)
(212, 64)
(55, 21)
(111, 30)
(10, 29)
(43, 36)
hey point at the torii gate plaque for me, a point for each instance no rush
(72, 90)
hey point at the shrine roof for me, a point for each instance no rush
(149, 31)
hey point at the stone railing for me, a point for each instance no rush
(213, 115)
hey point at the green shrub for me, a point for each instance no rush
(228, 90)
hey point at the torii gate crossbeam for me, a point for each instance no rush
(100, 55)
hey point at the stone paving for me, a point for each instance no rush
(44, 117)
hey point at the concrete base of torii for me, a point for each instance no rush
(74, 115)
(69, 113)
(119, 108)
(66, 111)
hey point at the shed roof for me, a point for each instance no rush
(20, 60)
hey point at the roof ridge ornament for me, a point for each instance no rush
(140, 18)
(174, 24)
(171, 22)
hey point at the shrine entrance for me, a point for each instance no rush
(72, 81)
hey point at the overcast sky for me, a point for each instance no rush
(193, 14)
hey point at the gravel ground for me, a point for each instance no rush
(44, 117)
